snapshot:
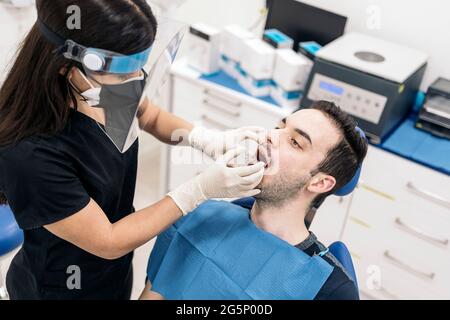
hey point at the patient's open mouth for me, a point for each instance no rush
(264, 155)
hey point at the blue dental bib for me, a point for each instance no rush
(217, 253)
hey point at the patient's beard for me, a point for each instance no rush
(280, 190)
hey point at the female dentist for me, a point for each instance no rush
(70, 111)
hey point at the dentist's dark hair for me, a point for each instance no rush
(35, 97)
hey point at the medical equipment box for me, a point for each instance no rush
(291, 70)
(285, 99)
(233, 38)
(204, 49)
(256, 67)
(434, 117)
(373, 80)
(277, 39)
(230, 67)
(309, 49)
(255, 87)
(258, 59)
(290, 74)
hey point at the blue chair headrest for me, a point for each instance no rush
(11, 236)
(350, 187)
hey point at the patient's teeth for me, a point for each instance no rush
(264, 155)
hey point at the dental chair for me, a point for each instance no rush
(11, 237)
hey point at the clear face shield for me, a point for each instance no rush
(119, 88)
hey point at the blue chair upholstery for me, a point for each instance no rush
(338, 249)
(11, 236)
(246, 203)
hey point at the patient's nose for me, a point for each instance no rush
(273, 138)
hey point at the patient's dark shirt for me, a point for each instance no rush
(338, 286)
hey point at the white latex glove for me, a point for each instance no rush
(216, 143)
(219, 181)
(250, 156)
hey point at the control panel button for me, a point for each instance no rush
(358, 102)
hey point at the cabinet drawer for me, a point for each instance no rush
(381, 281)
(232, 113)
(375, 233)
(186, 99)
(424, 189)
(386, 215)
(221, 110)
(266, 117)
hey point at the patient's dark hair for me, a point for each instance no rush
(346, 157)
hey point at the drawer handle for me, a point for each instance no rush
(419, 233)
(215, 123)
(428, 195)
(407, 267)
(221, 109)
(216, 96)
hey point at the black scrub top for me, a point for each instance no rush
(47, 179)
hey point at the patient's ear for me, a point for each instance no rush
(321, 183)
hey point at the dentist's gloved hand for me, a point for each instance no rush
(219, 181)
(216, 143)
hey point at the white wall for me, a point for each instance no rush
(13, 25)
(220, 13)
(420, 24)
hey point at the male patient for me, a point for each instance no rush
(311, 154)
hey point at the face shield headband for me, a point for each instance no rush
(96, 60)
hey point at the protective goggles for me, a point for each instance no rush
(93, 59)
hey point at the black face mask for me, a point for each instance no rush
(120, 103)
